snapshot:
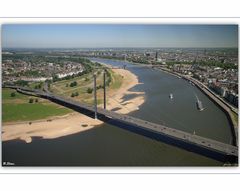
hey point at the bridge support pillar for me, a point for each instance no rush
(95, 95)
(104, 89)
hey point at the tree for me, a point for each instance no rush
(72, 95)
(76, 94)
(36, 100)
(39, 86)
(13, 94)
(73, 84)
(31, 100)
(99, 87)
(66, 85)
(55, 78)
(22, 83)
(89, 90)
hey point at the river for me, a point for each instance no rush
(108, 145)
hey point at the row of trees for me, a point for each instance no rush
(31, 100)
(21, 83)
(90, 90)
(38, 86)
(207, 63)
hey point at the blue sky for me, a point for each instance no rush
(112, 35)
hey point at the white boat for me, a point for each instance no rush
(171, 96)
(199, 105)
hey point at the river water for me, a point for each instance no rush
(108, 145)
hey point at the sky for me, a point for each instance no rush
(118, 35)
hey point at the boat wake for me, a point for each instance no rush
(199, 104)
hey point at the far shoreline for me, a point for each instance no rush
(225, 107)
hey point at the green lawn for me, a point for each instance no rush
(27, 111)
(6, 95)
(18, 109)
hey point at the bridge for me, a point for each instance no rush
(191, 142)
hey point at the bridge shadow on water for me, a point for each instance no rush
(154, 135)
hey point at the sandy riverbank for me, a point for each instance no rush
(75, 122)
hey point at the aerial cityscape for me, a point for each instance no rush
(119, 95)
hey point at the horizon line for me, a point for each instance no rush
(110, 47)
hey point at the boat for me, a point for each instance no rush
(171, 96)
(199, 105)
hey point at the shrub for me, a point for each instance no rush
(39, 86)
(89, 90)
(99, 87)
(73, 84)
(13, 94)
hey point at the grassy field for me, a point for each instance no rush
(18, 108)
(6, 95)
(83, 83)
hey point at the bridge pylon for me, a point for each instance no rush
(104, 89)
(95, 95)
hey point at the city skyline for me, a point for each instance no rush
(118, 36)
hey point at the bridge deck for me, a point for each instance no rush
(156, 128)
(187, 137)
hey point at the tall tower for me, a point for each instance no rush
(95, 95)
(104, 89)
(156, 57)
